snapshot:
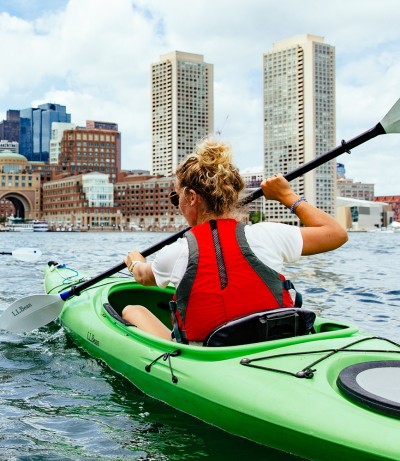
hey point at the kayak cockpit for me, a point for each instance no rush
(154, 298)
(157, 301)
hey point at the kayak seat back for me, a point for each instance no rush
(262, 326)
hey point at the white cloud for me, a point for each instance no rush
(94, 57)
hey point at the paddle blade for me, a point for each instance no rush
(391, 121)
(32, 312)
(30, 255)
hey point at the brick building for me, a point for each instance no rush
(143, 201)
(92, 149)
(20, 191)
(394, 201)
(83, 201)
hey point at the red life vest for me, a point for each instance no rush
(224, 280)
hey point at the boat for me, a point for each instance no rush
(332, 393)
(19, 225)
(26, 225)
(40, 226)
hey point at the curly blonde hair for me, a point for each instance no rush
(209, 171)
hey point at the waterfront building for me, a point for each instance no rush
(96, 125)
(85, 149)
(135, 172)
(98, 191)
(57, 133)
(253, 178)
(35, 129)
(6, 209)
(394, 202)
(8, 146)
(9, 128)
(84, 201)
(182, 104)
(46, 171)
(20, 191)
(144, 203)
(354, 189)
(299, 118)
(350, 189)
(363, 215)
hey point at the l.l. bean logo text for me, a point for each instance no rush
(91, 337)
(20, 309)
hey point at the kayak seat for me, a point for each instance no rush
(261, 326)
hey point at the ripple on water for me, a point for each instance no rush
(73, 407)
(315, 290)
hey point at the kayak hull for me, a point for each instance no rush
(251, 391)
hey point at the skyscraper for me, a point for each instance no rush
(182, 104)
(300, 118)
(35, 130)
(9, 129)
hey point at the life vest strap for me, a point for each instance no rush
(177, 333)
(288, 285)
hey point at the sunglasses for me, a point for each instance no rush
(174, 198)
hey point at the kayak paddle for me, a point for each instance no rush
(35, 311)
(30, 255)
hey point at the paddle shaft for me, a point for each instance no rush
(318, 161)
(75, 290)
(6, 253)
(344, 147)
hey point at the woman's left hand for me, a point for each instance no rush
(143, 273)
(133, 256)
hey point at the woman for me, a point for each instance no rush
(222, 269)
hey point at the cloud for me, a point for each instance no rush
(95, 57)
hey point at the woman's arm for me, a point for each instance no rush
(140, 269)
(322, 232)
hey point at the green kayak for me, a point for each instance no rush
(333, 393)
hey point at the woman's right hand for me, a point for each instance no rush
(278, 188)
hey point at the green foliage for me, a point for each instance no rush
(256, 216)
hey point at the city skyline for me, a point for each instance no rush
(102, 71)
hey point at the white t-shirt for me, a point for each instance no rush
(273, 243)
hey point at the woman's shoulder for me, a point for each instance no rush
(271, 228)
(282, 239)
(175, 248)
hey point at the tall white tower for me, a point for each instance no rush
(300, 118)
(182, 103)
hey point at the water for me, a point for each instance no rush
(57, 403)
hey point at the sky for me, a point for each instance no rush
(94, 57)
